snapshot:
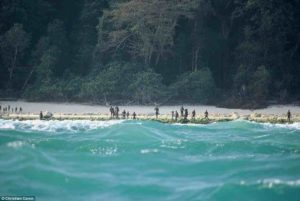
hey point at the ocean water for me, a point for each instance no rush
(146, 160)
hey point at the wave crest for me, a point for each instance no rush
(56, 125)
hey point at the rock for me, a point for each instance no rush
(48, 115)
(255, 115)
(235, 115)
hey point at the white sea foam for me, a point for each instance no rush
(104, 151)
(173, 144)
(147, 151)
(189, 124)
(261, 136)
(15, 144)
(293, 126)
(272, 182)
(56, 126)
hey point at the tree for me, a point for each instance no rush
(144, 28)
(46, 66)
(260, 84)
(13, 45)
(86, 39)
(58, 40)
(110, 84)
(147, 87)
(195, 87)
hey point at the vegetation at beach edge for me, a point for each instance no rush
(235, 53)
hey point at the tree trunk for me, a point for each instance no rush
(28, 78)
(13, 65)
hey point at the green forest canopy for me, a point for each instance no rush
(237, 53)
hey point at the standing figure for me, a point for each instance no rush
(172, 115)
(20, 110)
(16, 109)
(186, 113)
(117, 112)
(127, 115)
(41, 115)
(181, 111)
(289, 115)
(134, 115)
(111, 109)
(206, 114)
(193, 114)
(123, 114)
(156, 111)
(176, 115)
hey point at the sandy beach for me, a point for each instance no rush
(75, 108)
(73, 111)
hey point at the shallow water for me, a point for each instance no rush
(144, 160)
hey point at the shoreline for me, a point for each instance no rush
(71, 111)
(199, 119)
(81, 108)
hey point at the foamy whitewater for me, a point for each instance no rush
(145, 160)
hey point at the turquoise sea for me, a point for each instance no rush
(146, 160)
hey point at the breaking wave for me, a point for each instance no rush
(56, 125)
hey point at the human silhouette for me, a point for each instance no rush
(289, 115)
(134, 115)
(181, 111)
(156, 111)
(206, 114)
(176, 115)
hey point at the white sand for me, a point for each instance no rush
(70, 108)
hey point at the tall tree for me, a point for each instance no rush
(13, 45)
(144, 28)
(86, 38)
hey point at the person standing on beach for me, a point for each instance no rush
(186, 113)
(206, 114)
(181, 111)
(8, 108)
(289, 115)
(117, 112)
(156, 111)
(20, 110)
(134, 115)
(176, 115)
(193, 114)
(16, 109)
(111, 109)
(172, 115)
(41, 115)
(127, 115)
(124, 114)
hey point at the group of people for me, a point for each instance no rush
(184, 113)
(9, 109)
(114, 113)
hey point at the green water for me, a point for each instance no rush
(135, 160)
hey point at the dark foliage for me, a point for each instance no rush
(238, 53)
